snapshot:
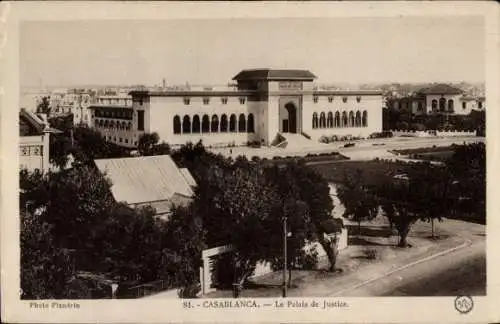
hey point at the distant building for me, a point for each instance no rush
(34, 141)
(113, 100)
(262, 104)
(438, 99)
(117, 124)
(154, 181)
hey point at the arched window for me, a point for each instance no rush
(106, 124)
(345, 121)
(351, 119)
(124, 125)
(358, 119)
(251, 126)
(451, 106)
(322, 120)
(434, 105)
(196, 124)
(112, 124)
(205, 124)
(214, 125)
(242, 123)
(364, 119)
(336, 122)
(186, 125)
(329, 120)
(442, 104)
(129, 126)
(315, 120)
(232, 123)
(223, 123)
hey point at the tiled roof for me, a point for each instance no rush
(271, 74)
(32, 119)
(144, 179)
(441, 89)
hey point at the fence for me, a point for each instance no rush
(451, 133)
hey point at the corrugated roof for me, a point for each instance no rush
(272, 74)
(441, 89)
(189, 178)
(144, 179)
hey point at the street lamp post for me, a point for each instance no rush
(285, 234)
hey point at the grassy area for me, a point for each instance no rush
(375, 172)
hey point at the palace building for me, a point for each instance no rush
(262, 104)
(439, 99)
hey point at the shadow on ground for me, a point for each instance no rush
(355, 240)
(372, 231)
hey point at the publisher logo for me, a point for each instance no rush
(464, 304)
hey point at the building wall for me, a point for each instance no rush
(127, 136)
(456, 99)
(34, 152)
(372, 104)
(163, 110)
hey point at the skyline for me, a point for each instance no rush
(205, 51)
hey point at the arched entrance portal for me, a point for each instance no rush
(289, 120)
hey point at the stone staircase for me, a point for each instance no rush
(292, 141)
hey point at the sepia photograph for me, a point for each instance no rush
(222, 161)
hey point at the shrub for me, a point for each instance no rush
(309, 259)
(371, 254)
(324, 139)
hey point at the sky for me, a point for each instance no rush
(337, 50)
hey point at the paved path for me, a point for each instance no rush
(460, 272)
(368, 149)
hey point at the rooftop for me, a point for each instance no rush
(145, 179)
(440, 89)
(275, 75)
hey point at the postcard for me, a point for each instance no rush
(249, 162)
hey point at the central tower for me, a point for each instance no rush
(278, 99)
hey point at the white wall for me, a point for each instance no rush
(34, 152)
(163, 109)
(371, 103)
(456, 99)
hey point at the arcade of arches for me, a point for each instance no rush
(214, 124)
(337, 120)
(442, 105)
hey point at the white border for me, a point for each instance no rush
(361, 309)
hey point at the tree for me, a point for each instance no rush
(44, 106)
(60, 148)
(90, 145)
(45, 268)
(75, 203)
(296, 211)
(359, 201)
(185, 237)
(235, 205)
(393, 198)
(105, 236)
(315, 192)
(431, 195)
(148, 144)
(467, 167)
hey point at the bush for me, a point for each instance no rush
(190, 291)
(308, 260)
(371, 254)
(324, 139)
